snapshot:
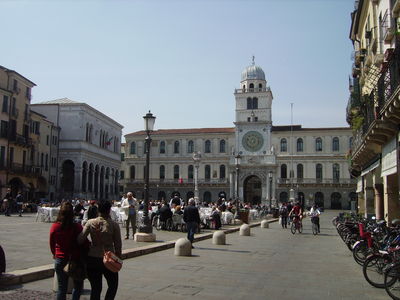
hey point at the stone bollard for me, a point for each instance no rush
(219, 238)
(264, 224)
(244, 230)
(183, 247)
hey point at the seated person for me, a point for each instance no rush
(216, 217)
(178, 210)
(79, 210)
(165, 212)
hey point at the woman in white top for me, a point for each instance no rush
(314, 213)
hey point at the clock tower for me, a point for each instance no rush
(253, 125)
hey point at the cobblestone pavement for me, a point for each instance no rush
(270, 264)
(24, 294)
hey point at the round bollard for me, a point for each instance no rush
(219, 238)
(264, 224)
(244, 230)
(183, 247)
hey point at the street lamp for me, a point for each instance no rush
(145, 228)
(237, 163)
(270, 189)
(196, 159)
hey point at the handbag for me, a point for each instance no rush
(112, 262)
(75, 269)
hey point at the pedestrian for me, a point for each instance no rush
(130, 207)
(192, 219)
(91, 212)
(289, 208)
(64, 247)
(7, 202)
(106, 236)
(283, 213)
(20, 201)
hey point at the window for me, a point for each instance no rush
(176, 147)
(15, 86)
(14, 106)
(299, 145)
(2, 156)
(4, 129)
(222, 172)
(252, 103)
(350, 142)
(336, 172)
(176, 172)
(300, 171)
(122, 156)
(283, 145)
(54, 140)
(162, 147)
(122, 175)
(11, 155)
(28, 92)
(259, 87)
(47, 140)
(42, 160)
(190, 171)
(222, 146)
(207, 172)
(318, 144)
(251, 86)
(283, 171)
(162, 172)
(207, 146)
(335, 144)
(133, 148)
(5, 104)
(318, 172)
(26, 113)
(47, 162)
(190, 148)
(132, 169)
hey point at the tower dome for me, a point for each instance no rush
(253, 72)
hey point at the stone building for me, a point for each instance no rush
(268, 156)
(374, 108)
(89, 142)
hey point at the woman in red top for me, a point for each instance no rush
(64, 245)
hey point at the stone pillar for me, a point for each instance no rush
(231, 186)
(378, 191)
(391, 201)
(369, 200)
(77, 181)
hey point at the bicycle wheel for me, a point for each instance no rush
(157, 222)
(392, 281)
(300, 227)
(373, 270)
(360, 252)
(314, 229)
(293, 228)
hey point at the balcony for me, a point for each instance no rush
(26, 170)
(176, 182)
(20, 140)
(252, 90)
(316, 181)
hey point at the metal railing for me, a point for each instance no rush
(176, 181)
(251, 90)
(299, 181)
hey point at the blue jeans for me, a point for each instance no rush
(95, 272)
(191, 228)
(62, 278)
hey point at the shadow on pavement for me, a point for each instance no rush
(223, 250)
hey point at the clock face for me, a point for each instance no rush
(252, 141)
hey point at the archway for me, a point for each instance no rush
(207, 197)
(41, 187)
(161, 195)
(336, 202)
(16, 185)
(252, 190)
(319, 199)
(189, 195)
(68, 176)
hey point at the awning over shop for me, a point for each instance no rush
(389, 161)
(359, 184)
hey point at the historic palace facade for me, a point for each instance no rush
(254, 160)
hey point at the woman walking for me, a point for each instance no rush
(64, 246)
(106, 236)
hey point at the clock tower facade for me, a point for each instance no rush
(253, 125)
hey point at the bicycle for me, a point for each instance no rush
(296, 225)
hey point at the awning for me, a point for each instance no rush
(373, 166)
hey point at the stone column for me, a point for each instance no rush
(231, 186)
(391, 201)
(78, 182)
(369, 200)
(378, 191)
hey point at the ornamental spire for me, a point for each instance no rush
(253, 57)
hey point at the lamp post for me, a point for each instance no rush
(237, 163)
(270, 190)
(196, 159)
(145, 229)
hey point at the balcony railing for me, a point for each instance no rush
(301, 181)
(21, 140)
(251, 90)
(24, 169)
(176, 181)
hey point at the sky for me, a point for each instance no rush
(183, 59)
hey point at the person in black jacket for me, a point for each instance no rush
(192, 219)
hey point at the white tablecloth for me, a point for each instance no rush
(253, 214)
(47, 214)
(227, 218)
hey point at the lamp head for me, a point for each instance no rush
(149, 121)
